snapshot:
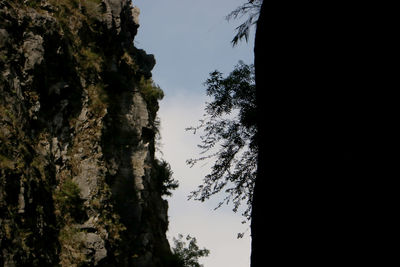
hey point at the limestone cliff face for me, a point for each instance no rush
(79, 183)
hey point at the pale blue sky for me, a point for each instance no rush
(189, 39)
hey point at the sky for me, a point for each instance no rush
(190, 39)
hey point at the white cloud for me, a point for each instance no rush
(215, 230)
(189, 39)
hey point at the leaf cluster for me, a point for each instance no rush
(252, 8)
(69, 203)
(163, 174)
(229, 137)
(152, 93)
(188, 254)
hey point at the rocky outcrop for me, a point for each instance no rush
(78, 179)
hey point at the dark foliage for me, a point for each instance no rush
(187, 255)
(229, 137)
(163, 174)
(69, 202)
(252, 8)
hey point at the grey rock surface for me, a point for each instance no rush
(33, 50)
(96, 244)
(77, 182)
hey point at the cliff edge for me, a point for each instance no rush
(79, 182)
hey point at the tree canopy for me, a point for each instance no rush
(188, 254)
(229, 137)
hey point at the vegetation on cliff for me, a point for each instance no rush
(79, 181)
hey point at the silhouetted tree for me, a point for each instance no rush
(188, 254)
(229, 137)
(236, 168)
(163, 174)
(252, 10)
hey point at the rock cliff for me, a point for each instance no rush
(79, 182)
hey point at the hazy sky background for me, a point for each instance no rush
(191, 38)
